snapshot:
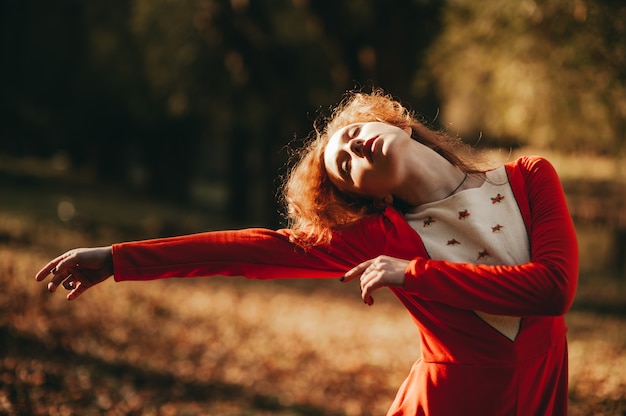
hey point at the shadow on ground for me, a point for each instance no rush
(32, 372)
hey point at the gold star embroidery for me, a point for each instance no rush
(497, 199)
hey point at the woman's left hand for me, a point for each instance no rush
(78, 270)
(376, 273)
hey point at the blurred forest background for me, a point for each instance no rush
(195, 100)
(145, 118)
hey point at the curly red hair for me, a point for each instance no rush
(315, 207)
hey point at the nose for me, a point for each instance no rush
(356, 147)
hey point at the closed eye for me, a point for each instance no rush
(345, 168)
(354, 132)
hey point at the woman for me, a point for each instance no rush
(485, 262)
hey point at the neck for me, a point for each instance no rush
(458, 186)
(431, 180)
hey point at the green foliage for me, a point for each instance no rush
(167, 97)
(544, 73)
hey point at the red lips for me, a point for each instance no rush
(368, 148)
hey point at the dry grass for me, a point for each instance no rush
(597, 345)
(234, 347)
(218, 346)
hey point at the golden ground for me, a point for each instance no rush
(230, 346)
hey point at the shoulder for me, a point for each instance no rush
(529, 164)
(534, 179)
(530, 169)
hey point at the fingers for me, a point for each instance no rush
(69, 284)
(65, 277)
(61, 268)
(370, 282)
(58, 265)
(77, 291)
(357, 270)
(72, 281)
(376, 273)
(67, 263)
(364, 272)
(47, 269)
(78, 270)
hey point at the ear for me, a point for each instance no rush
(384, 202)
(408, 130)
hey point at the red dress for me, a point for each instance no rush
(465, 366)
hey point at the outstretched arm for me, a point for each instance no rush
(252, 253)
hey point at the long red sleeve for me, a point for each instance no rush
(543, 286)
(253, 253)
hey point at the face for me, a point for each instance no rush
(367, 158)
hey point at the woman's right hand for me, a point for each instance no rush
(78, 270)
